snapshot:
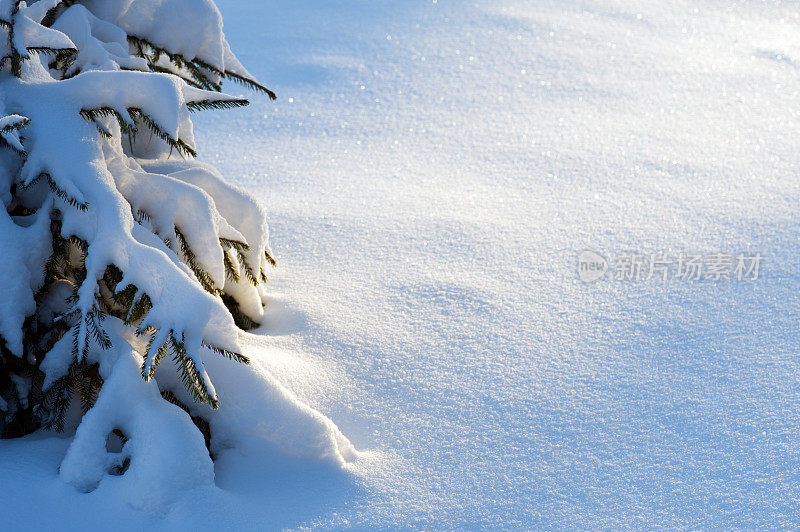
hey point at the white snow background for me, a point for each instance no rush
(431, 171)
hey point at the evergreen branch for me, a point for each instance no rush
(54, 266)
(6, 144)
(191, 260)
(164, 70)
(143, 218)
(113, 275)
(102, 129)
(141, 214)
(16, 61)
(15, 58)
(217, 104)
(231, 355)
(195, 67)
(54, 51)
(228, 244)
(190, 376)
(242, 320)
(248, 271)
(235, 244)
(81, 244)
(92, 115)
(61, 193)
(272, 262)
(76, 352)
(114, 296)
(63, 61)
(201, 80)
(139, 310)
(230, 267)
(150, 362)
(250, 84)
(162, 352)
(240, 248)
(178, 144)
(50, 16)
(58, 259)
(94, 318)
(87, 383)
(55, 404)
(8, 128)
(125, 297)
(9, 59)
(208, 66)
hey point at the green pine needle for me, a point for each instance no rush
(231, 103)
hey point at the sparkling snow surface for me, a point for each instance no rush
(431, 172)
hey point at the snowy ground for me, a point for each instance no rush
(432, 171)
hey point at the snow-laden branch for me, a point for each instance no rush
(127, 264)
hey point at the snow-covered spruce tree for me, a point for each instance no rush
(127, 265)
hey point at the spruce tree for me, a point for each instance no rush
(121, 254)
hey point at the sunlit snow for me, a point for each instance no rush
(432, 171)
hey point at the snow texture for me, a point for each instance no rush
(432, 170)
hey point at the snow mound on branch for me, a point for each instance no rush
(192, 28)
(29, 34)
(237, 207)
(101, 45)
(166, 453)
(256, 406)
(23, 250)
